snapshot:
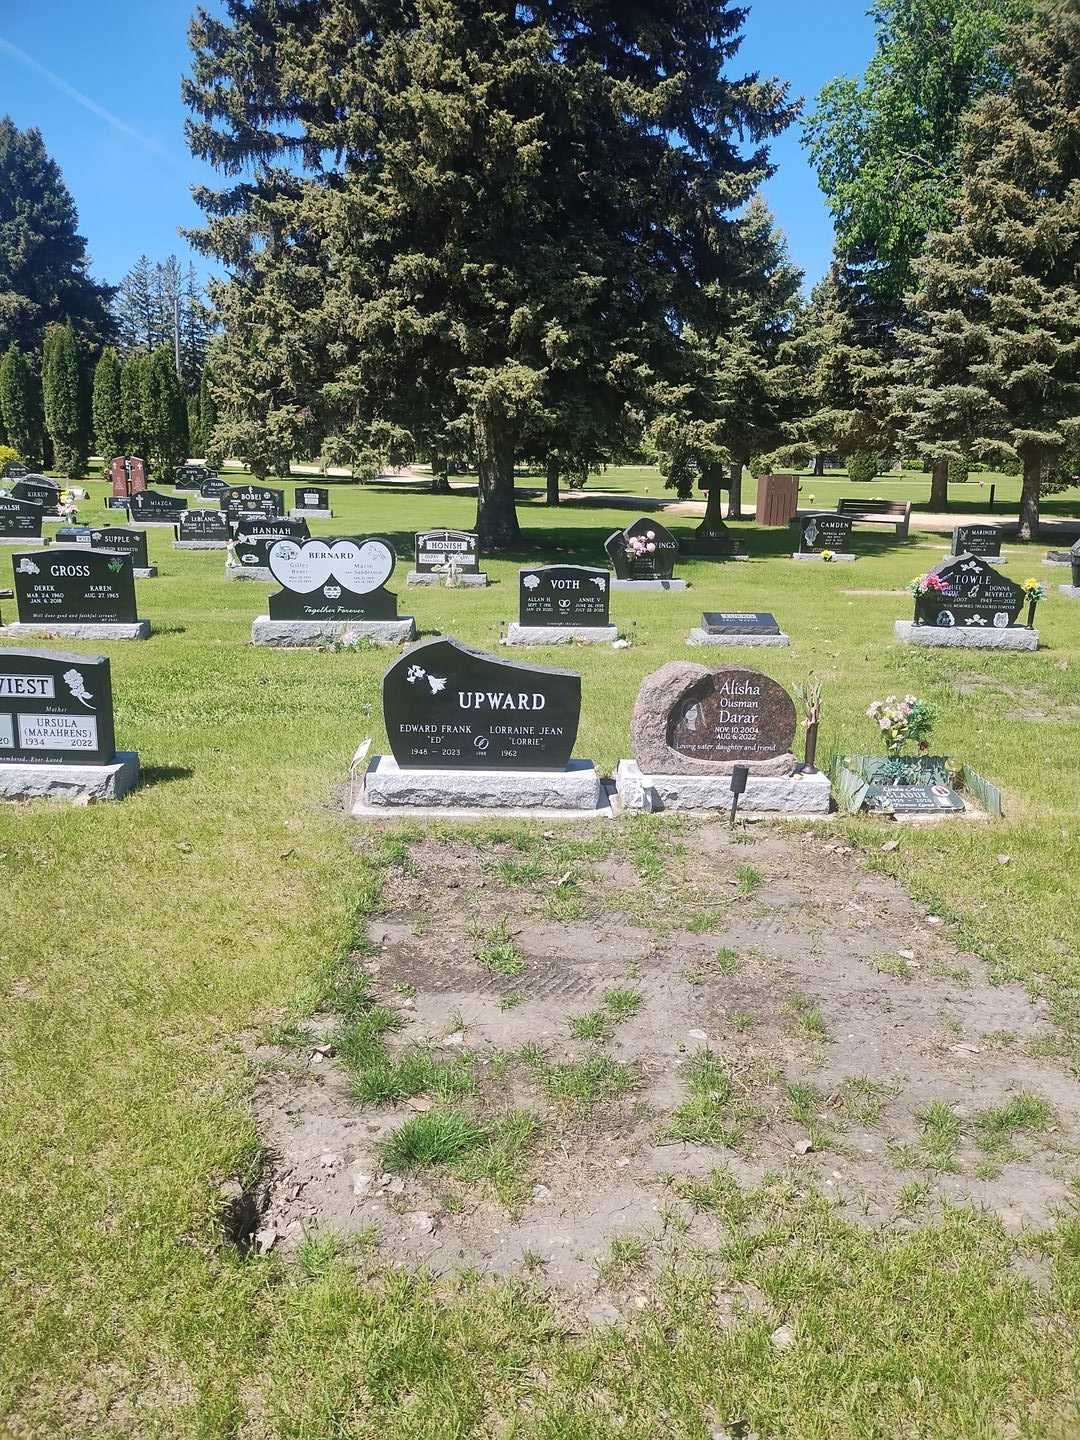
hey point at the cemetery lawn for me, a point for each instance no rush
(161, 960)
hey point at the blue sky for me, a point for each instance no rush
(101, 80)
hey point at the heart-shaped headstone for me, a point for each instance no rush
(307, 567)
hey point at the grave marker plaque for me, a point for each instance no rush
(645, 550)
(449, 707)
(435, 547)
(969, 592)
(311, 497)
(74, 586)
(20, 519)
(203, 525)
(739, 622)
(912, 799)
(826, 531)
(237, 500)
(341, 579)
(982, 540)
(55, 708)
(153, 505)
(563, 595)
(127, 542)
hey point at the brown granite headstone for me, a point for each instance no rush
(119, 475)
(690, 720)
(138, 473)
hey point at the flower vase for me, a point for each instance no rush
(1031, 614)
(810, 753)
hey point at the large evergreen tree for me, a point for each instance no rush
(20, 405)
(164, 411)
(133, 375)
(107, 408)
(44, 277)
(64, 396)
(204, 445)
(992, 364)
(500, 206)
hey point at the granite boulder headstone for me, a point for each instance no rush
(692, 720)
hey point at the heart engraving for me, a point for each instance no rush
(306, 567)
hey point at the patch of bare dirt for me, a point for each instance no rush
(782, 955)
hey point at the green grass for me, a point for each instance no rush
(586, 1082)
(711, 1114)
(497, 952)
(623, 1004)
(594, 1025)
(437, 1138)
(143, 945)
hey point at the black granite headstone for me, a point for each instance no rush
(128, 542)
(20, 518)
(254, 537)
(116, 502)
(563, 595)
(984, 540)
(451, 708)
(311, 497)
(968, 591)
(824, 531)
(191, 477)
(153, 505)
(74, 586)
(252, 499)
(645, 550)
(739, 622)
(435, 547)
(203, 525)
(41, 490)
(14, 470)
(333, 579)
(55, 708)
(214, 488)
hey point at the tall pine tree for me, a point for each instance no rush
(500, 206)
(21, 407)
(107, 409)
(64, 395)
(132, 404)
(992, 364)
(164, 411)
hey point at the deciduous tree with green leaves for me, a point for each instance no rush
(502, 204)
(20, 405)
(992, 362)
(107, 408)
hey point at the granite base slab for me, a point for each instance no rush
(387, 792)
(145, 572)
(698, 636)
(306, 634)
(464, 582)
(560, 634)
(28, 542)
(1071, 592)
(249, 572)
(835, 560)
(200, 544)
(152, 524)
(135, 630)
(798, 795)
(311, 514)
(994, 560)
(1057, 557)
(649, 585)
(79, 784)
(966, 637)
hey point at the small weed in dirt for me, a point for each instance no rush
(317, 1254)
(862, 1100)
(405, 990)
(807, 1018)
(417, 1072)
(912, 1197)
(749, 879)
(720, 1194)
(516, 873)
(289, 1035)
(706, 921)
(725, 961)
(626, 1253)
(804, 1105)
(531, 1262)
(997, 1126)
(361, 1042)
(593, 1025)
(585, 1082)
(894, 965)
(741, 1020)
(623, 1004)
(498, 1158)
(393, 850)
(437, 1138)
(940, 1131)
(497, 952)
(960, 974)
(709, 1115)
(347, 993)
(511, 1000)
(565, 901)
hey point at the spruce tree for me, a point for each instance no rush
(461, 215)
(20, 405)
(107, 409)
(44, 277)
(992, 360)
(63, 392)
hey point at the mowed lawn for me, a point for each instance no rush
(145, 948)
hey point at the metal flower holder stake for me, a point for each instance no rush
(810, 697)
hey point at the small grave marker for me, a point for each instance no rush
(738, 627)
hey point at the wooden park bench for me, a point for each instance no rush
(896, 513)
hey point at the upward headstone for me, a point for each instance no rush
(252, 499)
(644, 554)
(78, 592)
(41, 490)
(966, 591)
(20, 520)
(127, 542)
(151, 507)
(982, 540)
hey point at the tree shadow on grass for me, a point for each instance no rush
(151, 775)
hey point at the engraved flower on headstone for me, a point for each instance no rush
(76, 683)
(531, 582)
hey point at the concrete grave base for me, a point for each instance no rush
(304, 634)
(249, 572)
(387, 792)
(990, 559)
(1071, 592)
(765, 794)
(966, 637)
(152, 524)
(135, 630)
(560, 634)
(698, 636)
(1057, 557)
(311, 514)
(28, 542)
(649, 585)
(466, 582)
(841, 559)
(81, 784)
(200, 544)
(145, 572)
